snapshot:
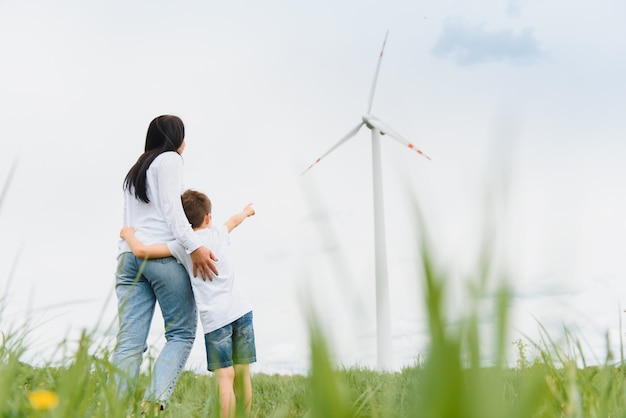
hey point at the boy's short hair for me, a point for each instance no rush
(196, 205)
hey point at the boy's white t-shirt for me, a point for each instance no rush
(220, 301)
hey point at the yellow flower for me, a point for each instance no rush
(43, 399)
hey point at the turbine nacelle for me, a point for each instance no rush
(366, 120)
(373, 122)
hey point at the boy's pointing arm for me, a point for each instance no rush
(238, 218)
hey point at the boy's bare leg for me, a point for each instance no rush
(225, 379)
(243, 387)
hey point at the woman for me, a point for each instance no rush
(152, 204)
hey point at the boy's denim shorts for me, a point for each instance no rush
(232, 344)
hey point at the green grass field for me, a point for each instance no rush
(449, 381)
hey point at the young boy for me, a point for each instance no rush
(225, 314)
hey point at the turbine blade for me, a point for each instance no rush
(373, 89)
(385, 129)
(341, 141)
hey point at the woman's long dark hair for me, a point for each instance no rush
(165, 133)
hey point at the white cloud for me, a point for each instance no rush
(468, 44)
(513, 8)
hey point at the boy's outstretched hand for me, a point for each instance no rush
(248, 210)
(238, 218)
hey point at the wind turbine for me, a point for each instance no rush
(378, 128)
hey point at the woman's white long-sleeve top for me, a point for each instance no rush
(163, 219)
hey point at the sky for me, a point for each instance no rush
(519, 103)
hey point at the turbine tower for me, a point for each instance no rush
(378, 128)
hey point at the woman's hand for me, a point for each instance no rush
(203, 261)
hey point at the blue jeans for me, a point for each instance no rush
(139, 285)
